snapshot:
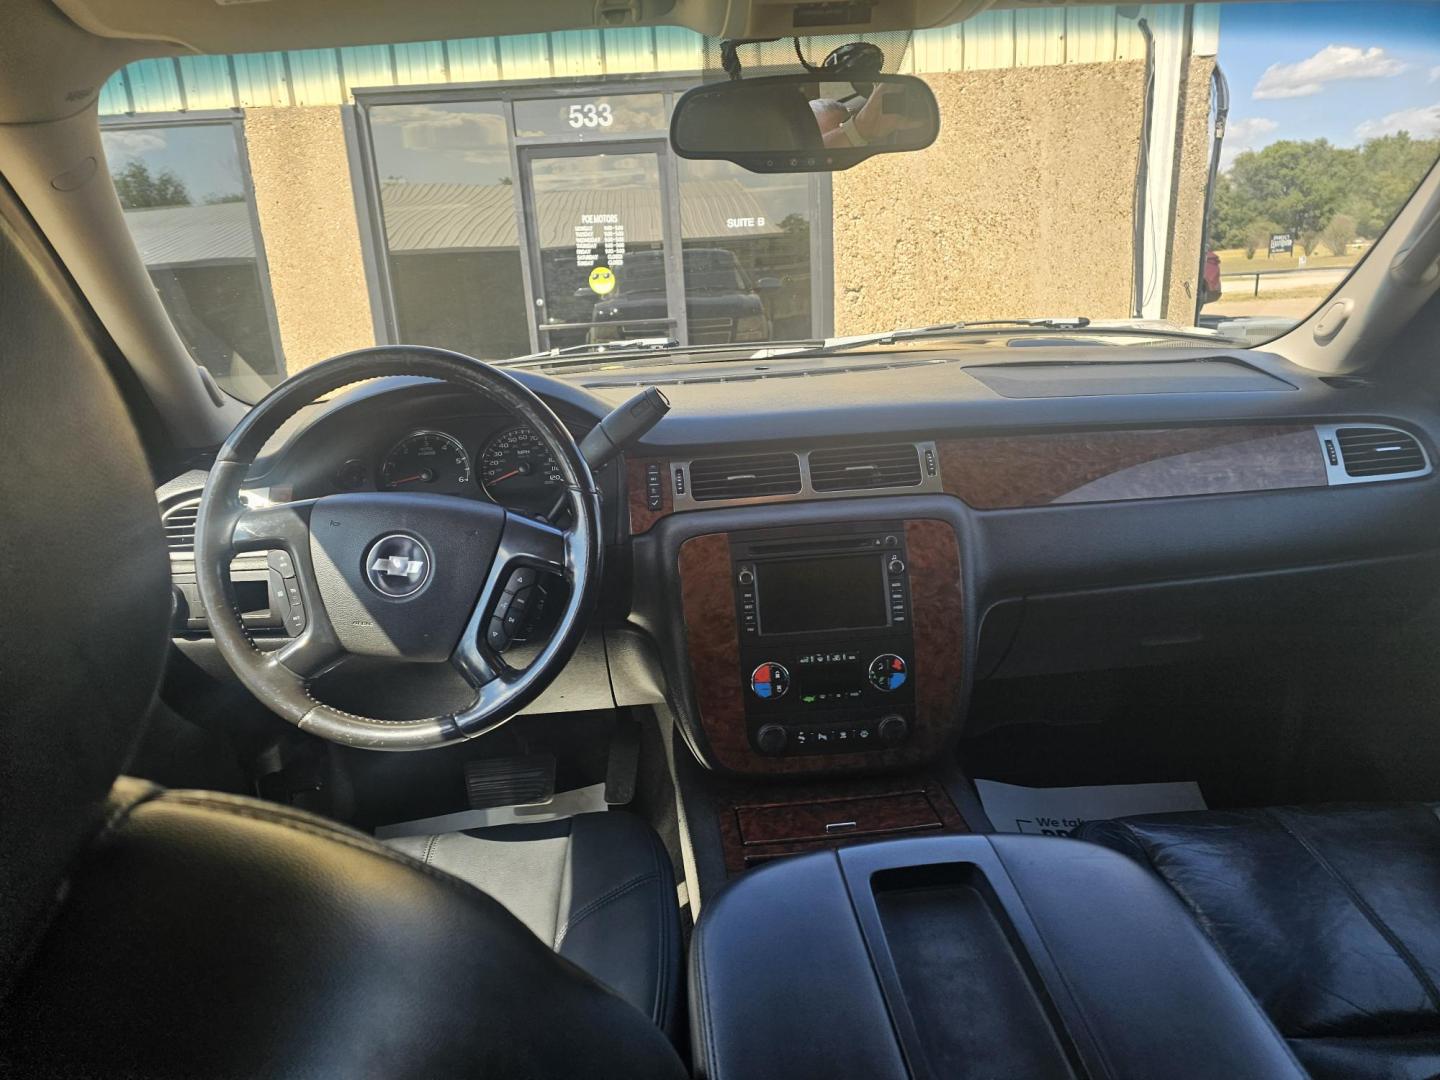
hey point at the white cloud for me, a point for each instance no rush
(130, 144)
(1435, 74)
(1331, 64)
(1423, 122)
(1241, 135)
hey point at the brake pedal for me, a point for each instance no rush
(510, 781)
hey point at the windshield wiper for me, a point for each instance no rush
(641, 348)
(961, 329)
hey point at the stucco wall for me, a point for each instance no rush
(305, 199)
(1023, 206)
(1192, 172)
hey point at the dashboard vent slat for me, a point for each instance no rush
(857, 468)
(744, 476)
(1379, 452)
(179, 524)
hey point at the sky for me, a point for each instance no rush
(1340, 71)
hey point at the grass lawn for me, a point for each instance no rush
(1233, 261)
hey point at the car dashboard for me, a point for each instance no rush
(815, 570)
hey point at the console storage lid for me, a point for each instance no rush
(964, 956)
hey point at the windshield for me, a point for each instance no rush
(1213, 167)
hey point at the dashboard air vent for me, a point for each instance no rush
(179, 522)
(1373, 451)
(744, 476)
(855, 468)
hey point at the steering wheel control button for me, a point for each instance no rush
(398, 566)
(496, 637)
(887, 672)
(770, 681)
(281, 561)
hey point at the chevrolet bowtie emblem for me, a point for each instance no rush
(399, 566)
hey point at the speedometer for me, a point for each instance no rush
(518, 470)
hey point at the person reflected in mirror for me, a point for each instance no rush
(874, 120)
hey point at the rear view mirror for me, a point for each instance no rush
(803, 123)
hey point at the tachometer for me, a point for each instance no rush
(427, 461)
(517, 469)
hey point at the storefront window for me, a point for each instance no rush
(746, 242)
(447, 201)
(545, 223)
(191, 215)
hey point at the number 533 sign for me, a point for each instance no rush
(591, 114)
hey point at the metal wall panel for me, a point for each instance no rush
(207, 82)
(998, 39)
(368, 65)
(1039, 37)
(261, 80)
(419, 64)
(990, 41)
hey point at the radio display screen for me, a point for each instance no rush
(842, 592)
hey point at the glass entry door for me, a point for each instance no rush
(604, 259)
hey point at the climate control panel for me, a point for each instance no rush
(830, 701)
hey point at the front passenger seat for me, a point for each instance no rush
(149, 933)
(1329, 914)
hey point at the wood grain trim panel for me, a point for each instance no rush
(1009, 471)
(641, 516)
(891, 798)
(713, 644)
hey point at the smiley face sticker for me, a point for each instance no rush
(602, 281)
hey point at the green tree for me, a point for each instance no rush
(1339, 234)
(139, 189)
(1302, 186)
(1257, 236)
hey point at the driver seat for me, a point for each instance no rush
(157, 933)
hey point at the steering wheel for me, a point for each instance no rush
(415, 577)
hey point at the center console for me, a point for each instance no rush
(825, 640)
(823, 648)
(966, 956)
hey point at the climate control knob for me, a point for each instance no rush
(887, 672)
(892, 729)
(771, 739)
(770, 680)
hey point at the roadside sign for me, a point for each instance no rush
(1282, 244)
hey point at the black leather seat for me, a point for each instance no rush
(146, 933)
(597, 888)
(1330, 915)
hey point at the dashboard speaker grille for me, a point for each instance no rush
(744, 476)
(179, 523)
(1372, 451)
(856, 468)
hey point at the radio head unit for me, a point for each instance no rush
(825, 641)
